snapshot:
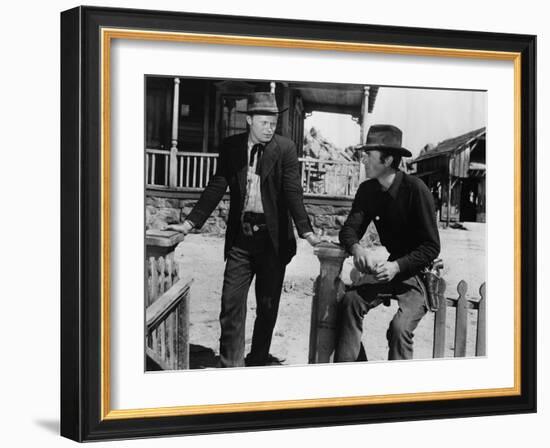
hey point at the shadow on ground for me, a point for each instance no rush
(201, 357)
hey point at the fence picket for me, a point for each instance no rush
(162, 339)
(440, 323)
(461, 326)
(201, 185)
(168, 281)
(153, 292)
(170, 355)
(147, 176)
(481, 322)
(180, 161)
(183, 333)
(161, 264)
(166, 170)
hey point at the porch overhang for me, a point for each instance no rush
(336, 98)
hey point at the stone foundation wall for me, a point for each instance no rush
(160, 211)
(325, 219)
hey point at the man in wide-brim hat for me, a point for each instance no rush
(402, 209)
(262, 172)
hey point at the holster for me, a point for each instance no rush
(430, 276)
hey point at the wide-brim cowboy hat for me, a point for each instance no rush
(262, 103)
(385, 137)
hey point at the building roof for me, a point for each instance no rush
(452, 144)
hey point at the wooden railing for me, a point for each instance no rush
(185, 170)
(193, 171)
(329, 177)
(167, 315)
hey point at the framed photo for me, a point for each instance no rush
(275, 224)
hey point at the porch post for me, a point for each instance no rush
(285, 118)
(206, 119)
(364, 114)
(174, 149)
(328, 291)
(449, 192)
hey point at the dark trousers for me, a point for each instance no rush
(250, 256)
(356, 304)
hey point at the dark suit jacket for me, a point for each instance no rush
(280, 186)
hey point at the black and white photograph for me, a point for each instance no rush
(294, 223)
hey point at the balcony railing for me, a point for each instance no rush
(329, 177)
(193, 170)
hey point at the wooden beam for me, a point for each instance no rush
(319, 107)
(165, 304)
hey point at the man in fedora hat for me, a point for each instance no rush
(262, 173)
(401, 207)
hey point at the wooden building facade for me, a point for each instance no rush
(455, 172)
(187, 118)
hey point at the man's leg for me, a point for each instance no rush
(270, 272)
(412, 308)
(236, 282)
(352, 309)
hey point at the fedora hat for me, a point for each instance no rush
(385, 137)
(262, 103)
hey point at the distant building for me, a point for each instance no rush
(454, 170)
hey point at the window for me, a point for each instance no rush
(233, 121)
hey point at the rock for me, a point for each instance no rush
(187, 203)
(343, 211)
(324, 221)
(186, 210)
(162, 202)
(320, 209)
(340, 220)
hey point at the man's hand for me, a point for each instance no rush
(312, 239)
(184, 228)
(386, 271)
(362, 259)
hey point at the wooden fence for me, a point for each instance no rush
(167, 314)
(462, 305)
(329, 289)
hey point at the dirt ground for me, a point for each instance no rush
(463, 253)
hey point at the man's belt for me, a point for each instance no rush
(253, 223)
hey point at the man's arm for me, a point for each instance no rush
(424, 222)
(353, 230)
(213, 193)
(356, 223)
(293, 192)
